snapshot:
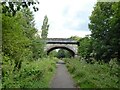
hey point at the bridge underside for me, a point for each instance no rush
(71, 52)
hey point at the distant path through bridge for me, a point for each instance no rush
(64, 43)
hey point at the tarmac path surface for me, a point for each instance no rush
(62, 78)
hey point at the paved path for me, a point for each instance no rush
(62, 78)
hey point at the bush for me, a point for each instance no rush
(34, 74)
(97, 75)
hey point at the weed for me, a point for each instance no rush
(95, 75)
(34, 74)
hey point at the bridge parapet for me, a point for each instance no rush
(61, 41)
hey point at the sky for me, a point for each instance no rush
(66, 17)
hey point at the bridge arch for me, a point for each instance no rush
(61, 47)
(64, 43)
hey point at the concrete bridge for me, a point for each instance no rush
(64, 43)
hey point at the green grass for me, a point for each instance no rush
(34, 74)
(95, 75)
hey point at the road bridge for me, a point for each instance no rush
(64, 43)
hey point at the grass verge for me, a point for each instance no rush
(97, 75)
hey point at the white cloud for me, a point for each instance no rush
(65, 16)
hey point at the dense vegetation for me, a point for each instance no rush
(96, 75)
(104, 41)
(61, 53)
(24, 64)
(99, 61)
(34, 74)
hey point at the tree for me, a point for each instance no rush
(61, 53)
(53, 53)
(36, 44)
(37, 48)
(20, 44)
(19, 40)
(10, 8)
(45, 28)
(85, 48)
(105, 28)
(14, 41)
(99, 26)
(115, 30)
(77, 38)
(68, 54)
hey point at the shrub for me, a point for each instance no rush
(34, 74)
(96, 75)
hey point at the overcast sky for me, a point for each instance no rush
(65, 17)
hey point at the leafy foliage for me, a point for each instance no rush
(38, 48)
(75, 38)
(100, 28)
(96, 75)
(14, 41)
(21, 48)
(103, 43)
(85, 48)
(44, 28)
(34, 74)
(10, 8)
(64, 54)
(53, 53)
